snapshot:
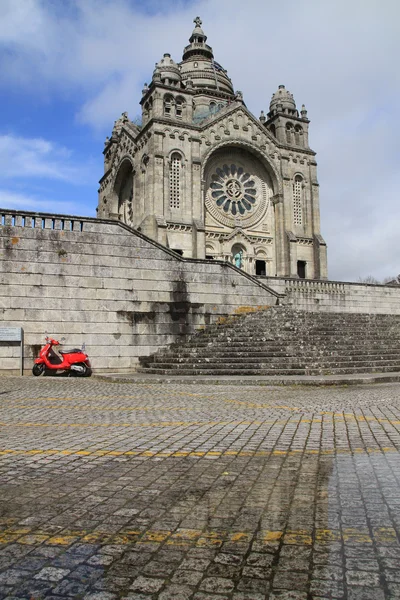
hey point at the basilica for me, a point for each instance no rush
(206, 178)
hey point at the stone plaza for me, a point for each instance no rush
(125, 490)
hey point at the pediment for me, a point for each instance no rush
(238, 234)
(237, 119)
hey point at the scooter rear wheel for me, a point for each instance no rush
(38, 369)
(86, 371)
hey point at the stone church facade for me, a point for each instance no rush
(206, 178)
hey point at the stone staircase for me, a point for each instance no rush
(283, 341)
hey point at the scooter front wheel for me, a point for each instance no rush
(38, 369)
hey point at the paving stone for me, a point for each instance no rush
(287, 479)
(207, 596)
(292, 595)
(255, 559)
(290, 581)
(217, 584)
(250, 585)
(99, 596)
(70, 588)
(248, 596)
(13, 576)
(52, 574)
(147, 584)
(176, 592)
(362, 578)
(327, 588)
(195, 564)
(365, 593)
(183, 577)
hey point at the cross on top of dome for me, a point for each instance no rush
(198, 22)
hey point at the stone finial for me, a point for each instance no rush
(198, 22)
(239, 96)
(106, 142)
(262, 117)
(145, 89)
(303, 112)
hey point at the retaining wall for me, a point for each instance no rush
(125, 296)
(104, 284)
(337, 296)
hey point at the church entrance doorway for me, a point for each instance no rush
(261, 268)
(301, 269)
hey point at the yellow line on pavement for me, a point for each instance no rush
(195, 537)
(99, 408)
(338, 417)
(195, 453)
(161, 424)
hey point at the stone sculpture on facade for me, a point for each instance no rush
(203, 176)
(238, 259)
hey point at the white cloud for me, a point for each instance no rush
(37, 158)
(339, 58)
(10, 199)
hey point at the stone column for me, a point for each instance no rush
(280, 237)
(199, 239)
(292, 253)
(320, 258)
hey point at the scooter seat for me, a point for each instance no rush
(70, 351)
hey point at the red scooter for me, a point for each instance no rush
(74, 362)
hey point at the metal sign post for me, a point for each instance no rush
(12, 335)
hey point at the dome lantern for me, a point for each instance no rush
(282, 101)
(167, 70)
(199, 66)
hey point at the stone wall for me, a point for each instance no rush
(125, 296)
(104, 284)
(337, 296)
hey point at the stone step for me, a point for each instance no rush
(292, 364)
(268, 372)
(282, 341)
(282, 344)
(222, 352)
(278, 360)
(335, 331)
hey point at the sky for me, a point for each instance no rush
(69, 68)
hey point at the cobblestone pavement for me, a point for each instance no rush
(112, 491)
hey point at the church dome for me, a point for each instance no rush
(167, 69)
(198, 64)
(282, 98)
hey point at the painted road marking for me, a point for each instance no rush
(196, 537)
(196, 453)
(337, 417)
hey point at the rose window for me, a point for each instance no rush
(233, 190)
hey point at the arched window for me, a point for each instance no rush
(175, 180)
(213, 108)
(168, 101)
(298, 200)
(289, 132)
(179, 105)
(298, 135)
(123, 192)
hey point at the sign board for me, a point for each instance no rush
(14, 334)
(10, 334)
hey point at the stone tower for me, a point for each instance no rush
(206, 178)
